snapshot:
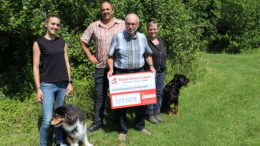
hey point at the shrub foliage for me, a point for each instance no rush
(186, 26)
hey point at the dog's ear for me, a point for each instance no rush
(176, 77)
(171, 82)
(70, 118)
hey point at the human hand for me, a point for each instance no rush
(39, 95)
(93, 59)
(69, 88)
(110, 73)
(152, 69)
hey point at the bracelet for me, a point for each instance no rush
(151, 65)
(38, 88)
(70, 82)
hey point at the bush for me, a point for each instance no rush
(17, 116)
(229, 26)
(83, 96)
(186, 27)
(180, 33)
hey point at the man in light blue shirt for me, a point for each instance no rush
(129, 51)
(127, 54)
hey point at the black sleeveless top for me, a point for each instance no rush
(53, 66)
(159, 55)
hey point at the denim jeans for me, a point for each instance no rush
(51, 91)
(101, 89)
(159, 82)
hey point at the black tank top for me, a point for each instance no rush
(53, 67)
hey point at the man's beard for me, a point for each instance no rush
(132, 31)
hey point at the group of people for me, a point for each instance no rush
(119, 49)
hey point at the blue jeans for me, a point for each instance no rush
(51, 91)
(159, 82)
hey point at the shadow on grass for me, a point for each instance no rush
(111, 124)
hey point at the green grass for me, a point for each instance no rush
(220, 109)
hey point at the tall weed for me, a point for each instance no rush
(193, 66)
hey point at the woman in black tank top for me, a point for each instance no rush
(51, 72)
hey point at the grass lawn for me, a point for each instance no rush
(221, 109)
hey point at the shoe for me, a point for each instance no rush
(61, 144)
(94, 127)
(152, 119)
(146, 132)
(122, 136)
(157, 116)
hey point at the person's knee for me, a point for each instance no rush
(46, 124)
(46, 121)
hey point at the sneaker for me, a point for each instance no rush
(94, 127)
(146, 132)
(152, 119)
(157, 116)
(122, 136)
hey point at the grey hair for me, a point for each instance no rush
(151, 23)
(137, 18)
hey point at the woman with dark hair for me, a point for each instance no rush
(51, 72)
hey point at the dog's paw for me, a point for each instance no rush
(169, 113)
(89, 144)
(178, 113)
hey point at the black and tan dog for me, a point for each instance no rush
(171, 93)
(73, 120)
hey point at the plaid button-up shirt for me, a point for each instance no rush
(129, 52)
(102, 37)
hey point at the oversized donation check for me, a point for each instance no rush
(133, 89)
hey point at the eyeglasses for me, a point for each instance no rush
(133, 24)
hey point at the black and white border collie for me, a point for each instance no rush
(73, 121)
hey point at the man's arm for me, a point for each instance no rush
(92, 58)
(149, 61)
(110, 60)
(110, 63)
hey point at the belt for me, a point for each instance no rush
(129, 70)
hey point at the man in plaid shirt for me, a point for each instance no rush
(101, 32)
